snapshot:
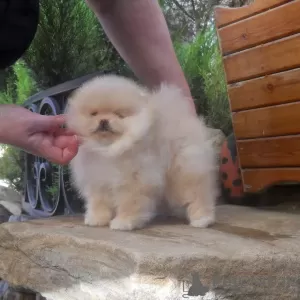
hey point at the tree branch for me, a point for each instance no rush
(194, 9)
(183, 10)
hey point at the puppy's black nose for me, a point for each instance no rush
(104, 125)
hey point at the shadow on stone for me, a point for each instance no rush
(197, 289)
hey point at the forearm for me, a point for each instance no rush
(7, 118)
(139, 32)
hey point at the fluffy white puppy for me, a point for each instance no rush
(143, 153)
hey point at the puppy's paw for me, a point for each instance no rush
(125, 224)
(203, 222)
(95, 220)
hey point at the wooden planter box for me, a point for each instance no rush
(260, 45)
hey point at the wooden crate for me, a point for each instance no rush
(260, 45)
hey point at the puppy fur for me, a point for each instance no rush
(142, 154)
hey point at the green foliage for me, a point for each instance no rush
(25, 84)
(12, 167)
(69, 43)
(215, 89)
(19, 85)
(52, 189)
(202, 64)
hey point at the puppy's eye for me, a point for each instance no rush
(94, 113)
(120, 114)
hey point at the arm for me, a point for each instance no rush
(139, 32)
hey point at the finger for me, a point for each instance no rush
(64, 141)
(49, 123)
(80, 139)
(60, 119)
(63, 132)
(62, 156)
(69, 153)
(60, 151)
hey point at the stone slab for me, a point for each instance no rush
(248, 254)
(11, 200)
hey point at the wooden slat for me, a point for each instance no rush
(256, 180)
(270, 58)
(266, 122)
(226, 15)
(270, 25)
(270, 152)
(269, 90)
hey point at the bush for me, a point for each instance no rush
(12, 168)
(19, 85)
(202, 64)
(69, 43)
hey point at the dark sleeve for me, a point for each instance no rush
(18, 25)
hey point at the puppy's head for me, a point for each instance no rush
(110, 112)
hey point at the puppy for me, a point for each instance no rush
(143, 153)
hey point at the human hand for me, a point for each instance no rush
(37, 134)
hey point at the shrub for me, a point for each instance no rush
(202, 64)
(69, 43)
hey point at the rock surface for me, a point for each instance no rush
(4, 214)
(11, 200)
(248, 254)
